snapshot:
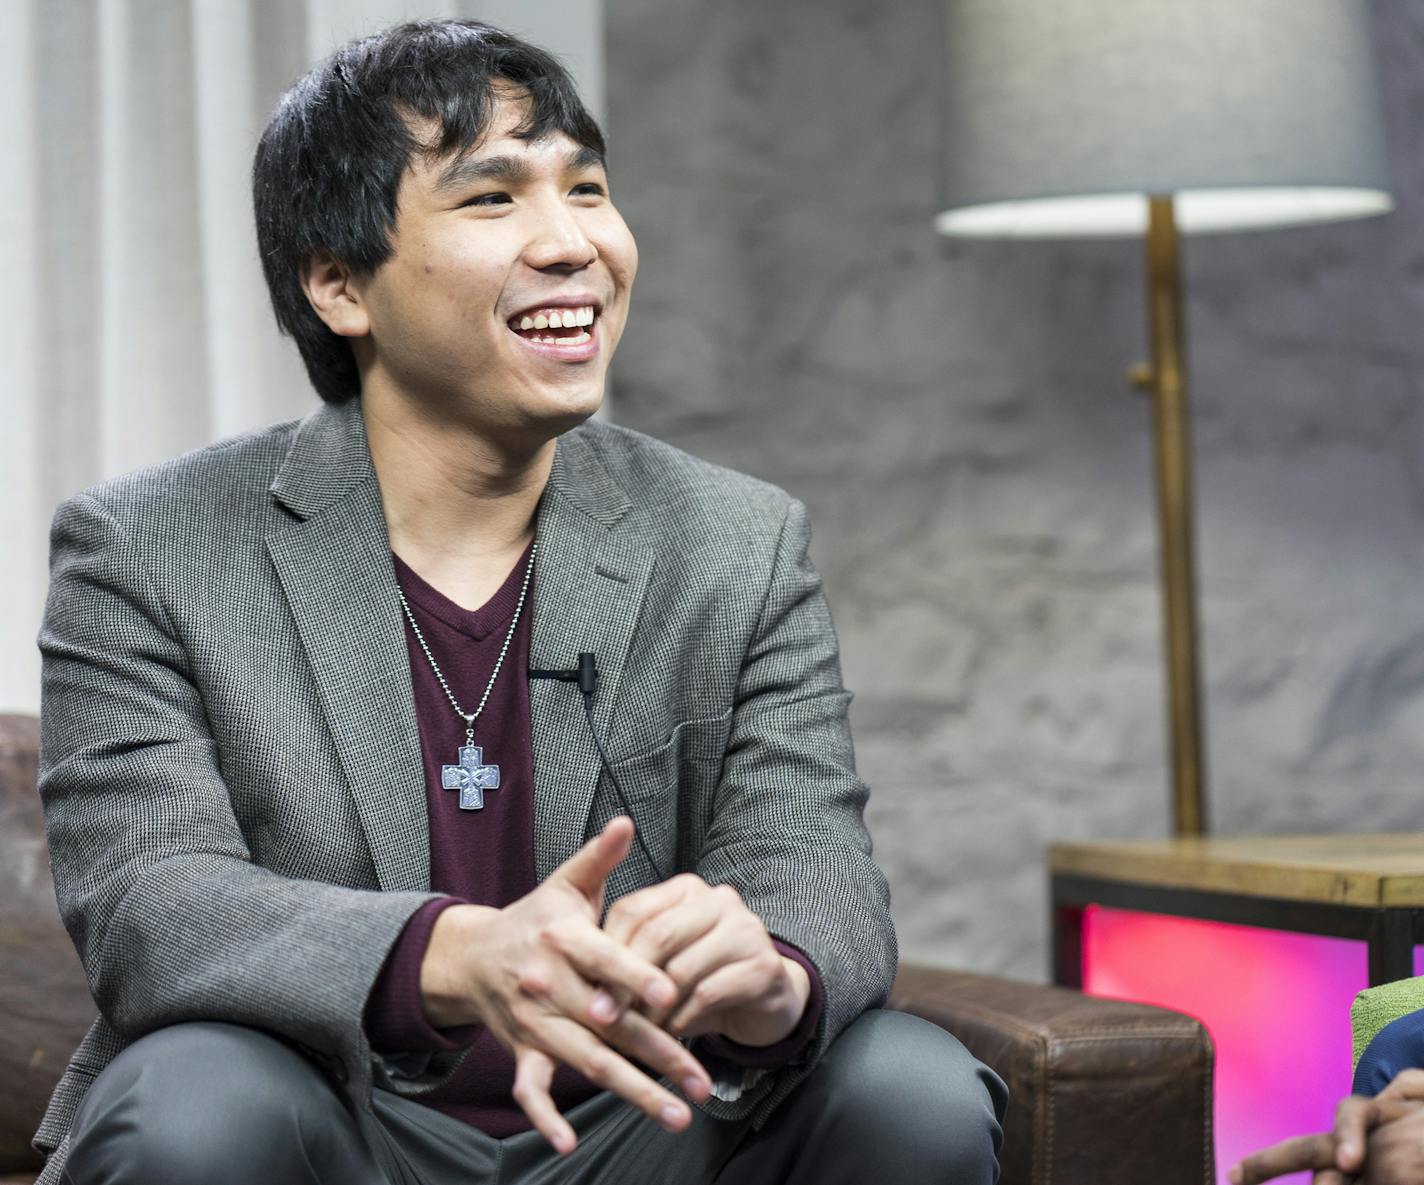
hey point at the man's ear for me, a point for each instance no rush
(334, 295)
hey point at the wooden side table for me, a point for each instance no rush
(1366, 887)
(1265, 940)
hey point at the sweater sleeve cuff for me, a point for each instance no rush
(394, 1017)
(772, 1056)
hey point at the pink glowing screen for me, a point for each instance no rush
(1277, 1006)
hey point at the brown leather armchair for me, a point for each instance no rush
(1101, 1092)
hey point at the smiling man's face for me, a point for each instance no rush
(489, 251)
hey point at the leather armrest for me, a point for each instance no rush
(44, 996)
(1100, 1092)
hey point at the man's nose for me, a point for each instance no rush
(560, 241)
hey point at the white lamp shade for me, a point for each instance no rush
(1062, 116)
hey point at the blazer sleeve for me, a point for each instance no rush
(788, 830)
(171, 919)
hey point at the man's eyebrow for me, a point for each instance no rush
(507, 170)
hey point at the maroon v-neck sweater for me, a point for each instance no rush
(486, 857)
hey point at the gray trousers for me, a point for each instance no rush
(894, 1099)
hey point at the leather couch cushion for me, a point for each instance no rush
(47, 1004)
(1100, 1091)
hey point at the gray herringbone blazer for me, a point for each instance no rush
(231, 769)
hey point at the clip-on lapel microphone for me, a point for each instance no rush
(586, 676)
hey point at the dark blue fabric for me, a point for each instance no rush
(1398, 1046)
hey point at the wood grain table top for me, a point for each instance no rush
(1362, 870)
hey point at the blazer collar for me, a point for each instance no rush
(330, 456)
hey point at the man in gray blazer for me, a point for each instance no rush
(350, 725)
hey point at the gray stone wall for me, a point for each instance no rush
(956, 416)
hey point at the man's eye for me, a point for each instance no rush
(590, 185)
(487, 199)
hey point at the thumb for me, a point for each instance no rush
(1354, 1118)
(588, 868)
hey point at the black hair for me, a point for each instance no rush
(329, 164)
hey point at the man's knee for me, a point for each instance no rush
(204, 1102)
(909, 1091)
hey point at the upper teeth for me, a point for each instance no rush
(567, 319)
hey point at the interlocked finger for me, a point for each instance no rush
(727, 987)
(627, 914)
(654, 1046)
(569, 1042)
(601, 960)
(664, 934)
(533, 1073)
(730, 941)
(630, 1031)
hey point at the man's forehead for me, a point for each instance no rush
(510, 159)
(502, 153)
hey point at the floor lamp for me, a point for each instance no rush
(1153, 119)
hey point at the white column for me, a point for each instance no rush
(23, 520)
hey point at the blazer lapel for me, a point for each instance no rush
(335, 568)
(588, 589)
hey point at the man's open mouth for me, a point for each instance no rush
(556, 325)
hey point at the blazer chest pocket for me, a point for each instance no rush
(670, 790)
(692, 749)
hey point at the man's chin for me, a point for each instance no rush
(576, 408)
(553, 419)
(574, 417)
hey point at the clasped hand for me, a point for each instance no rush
(1378, 1141)
(677, 959)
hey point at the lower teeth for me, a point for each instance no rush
(559, 341)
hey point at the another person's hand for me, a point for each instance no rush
(730, 978)
(1378, 1141)
(528, 973)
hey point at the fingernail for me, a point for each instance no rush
(1349, 1149)
(602, 1006)
(692, 1084)
(671, 1115)
(1234, 1176)
(659, 993)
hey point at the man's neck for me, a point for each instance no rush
(459, 506)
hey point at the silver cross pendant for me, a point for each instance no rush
(472, 777)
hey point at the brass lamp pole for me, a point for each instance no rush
(1166, 377)
(1053, 127)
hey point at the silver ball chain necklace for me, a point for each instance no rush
(470, 775)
